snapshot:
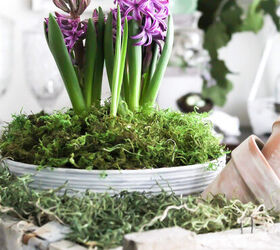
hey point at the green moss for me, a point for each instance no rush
(96, 140)
(102, 220)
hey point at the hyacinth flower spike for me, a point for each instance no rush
(148, 37)
(134, 40)
(78, 51)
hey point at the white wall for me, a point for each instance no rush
(242, 56)
(18, 96)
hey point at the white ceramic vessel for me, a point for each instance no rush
(180, 180)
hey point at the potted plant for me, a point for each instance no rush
(126, 143)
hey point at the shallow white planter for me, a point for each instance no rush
(180, 180)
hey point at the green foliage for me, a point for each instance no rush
(101, 220)
(119, 63)
(254, 20)
(82, 68)
(146, 139)
(270, 8)
(99, 63)
(153, 85)
(220, 20)
(90, 58)
(215, 38)
(126, 63)
(58, 48)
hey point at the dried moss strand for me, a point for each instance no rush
(103, 220)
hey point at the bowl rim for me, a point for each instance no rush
(11, 163)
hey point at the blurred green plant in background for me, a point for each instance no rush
(220, 20)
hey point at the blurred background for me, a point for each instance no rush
(225, 59)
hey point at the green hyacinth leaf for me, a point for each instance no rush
(109, 49)
(99, 63)
(153, 88)
(254, 20)
(64, 64)
(90, 52)
(117, 65)
(123, 57)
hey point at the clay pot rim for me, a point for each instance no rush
(276, 124)
(257, 142)
(258, 145)
(256, 153)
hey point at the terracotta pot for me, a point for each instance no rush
(271, 150)
(248, 177)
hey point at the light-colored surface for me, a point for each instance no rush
(52, 231)
(262, 114)
(64, 244)
(180, 180)
(263, 238)
(242, 56)
(11, 233)
(162, 239)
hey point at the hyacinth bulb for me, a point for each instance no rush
(74, 7)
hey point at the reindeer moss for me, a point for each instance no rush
(96, 140)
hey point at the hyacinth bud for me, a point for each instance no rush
(61, 5)
(82, 6)
(74, 7)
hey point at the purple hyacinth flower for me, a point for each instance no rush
(134, 8)
(149, 30)
(72, 28)
(151, 16)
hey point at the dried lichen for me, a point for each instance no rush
(96, 140)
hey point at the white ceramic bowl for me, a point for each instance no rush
(180, 180)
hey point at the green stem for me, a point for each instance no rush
(109, 49)
(150, 95)
(126, 85)
(151, 72)
(99, 63)
(135, 67)
(90, 50)
(123, 59)
(117, 65)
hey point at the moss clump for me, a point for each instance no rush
(96, 140)
(102, 220)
